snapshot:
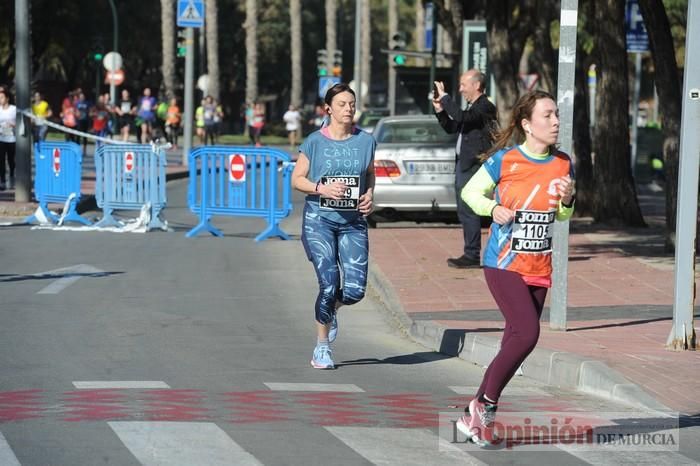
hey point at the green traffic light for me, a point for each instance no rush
(400, 60)
(98, 56)
(322, 72)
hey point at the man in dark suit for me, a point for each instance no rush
(475, 125)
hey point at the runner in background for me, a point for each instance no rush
(524, 188)
(146, 115)
(161, 116)
(292, 120)
(172, 122)
(218, 120)
(125, 110)
(82, 107)
(209, 108)
(199, 123)
(68, 116)
(40, 109)
(100, 119)
(8, 119)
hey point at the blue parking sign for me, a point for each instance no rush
(325, 83)
(190, 13)
(636, 32)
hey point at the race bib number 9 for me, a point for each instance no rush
(532, 231)
(352, 193)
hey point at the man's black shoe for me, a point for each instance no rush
(463, 262)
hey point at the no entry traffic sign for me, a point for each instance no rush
(128, 162)
(236, 168)
(56, 161)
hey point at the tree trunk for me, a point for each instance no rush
(212, 32)
(366, 51)
(331, 40)
(669, 91)
(167, 30)
(614, 196)
(419, 39)
(505, 48)
(582, 138)
(296, 97)
(543, 52)
(251, 45)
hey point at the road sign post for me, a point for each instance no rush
(566, 81)
(190, 15)
(637, 43)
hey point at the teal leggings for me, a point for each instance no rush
(339, 253)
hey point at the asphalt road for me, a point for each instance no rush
(127, 348)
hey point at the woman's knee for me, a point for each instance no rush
(352, 294)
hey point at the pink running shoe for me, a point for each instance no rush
(483, 416)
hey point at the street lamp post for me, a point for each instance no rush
(115, 44)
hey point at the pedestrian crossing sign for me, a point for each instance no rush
(190, 13)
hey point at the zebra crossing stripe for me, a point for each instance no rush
(181, 443)
(314, 387)
(7, 456)
(609, 457)
(118, 384)
(509, 391)
(408, 446)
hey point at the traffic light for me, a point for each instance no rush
(322, 62)
(398, 43)
(97, 56)
(181, 43)
(337, 62)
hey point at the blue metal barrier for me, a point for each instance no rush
(240, 181)
(130, 177)
(58, 167)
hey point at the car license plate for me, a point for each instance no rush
(430, 168)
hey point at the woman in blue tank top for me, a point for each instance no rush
(335, 170)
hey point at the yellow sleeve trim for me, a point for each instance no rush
(478, 193)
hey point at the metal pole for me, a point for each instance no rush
(358, 61)
(115, 49)
(565, 101)
(682, 335)
(635, 107)
(393, 29)
(23, 79)
(592, 79)
(433, 51)
(189, 94)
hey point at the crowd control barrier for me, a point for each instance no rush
(240, 181)
(58, 169)
(130, 177)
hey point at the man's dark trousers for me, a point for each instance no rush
(471, 222)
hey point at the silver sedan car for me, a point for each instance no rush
(414, 165)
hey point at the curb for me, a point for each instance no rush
(554, 368)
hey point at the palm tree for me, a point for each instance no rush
(212, 32)
(167, 31)
(251, 45)
(295, 31)
(331, 13)
(366, 48)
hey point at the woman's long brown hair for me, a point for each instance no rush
(514, 133)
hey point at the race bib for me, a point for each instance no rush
(532, 231)
(352, 193)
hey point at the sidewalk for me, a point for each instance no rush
(620, 309)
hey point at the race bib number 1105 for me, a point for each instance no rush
(532, 231)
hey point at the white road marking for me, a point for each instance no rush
(7, 456)
(383, 445)
(106, 384)
(181, 443)
(72, 275)
(509, 391)
(314, 387)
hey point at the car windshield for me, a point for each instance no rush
(426, 131)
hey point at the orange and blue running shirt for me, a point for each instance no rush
(527, 184)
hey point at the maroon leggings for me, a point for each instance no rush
(521, 305)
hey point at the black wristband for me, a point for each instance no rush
(316, 188)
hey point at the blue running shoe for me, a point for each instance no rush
(323, 358)
(333, 331)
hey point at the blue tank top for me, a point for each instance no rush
(346, 161)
